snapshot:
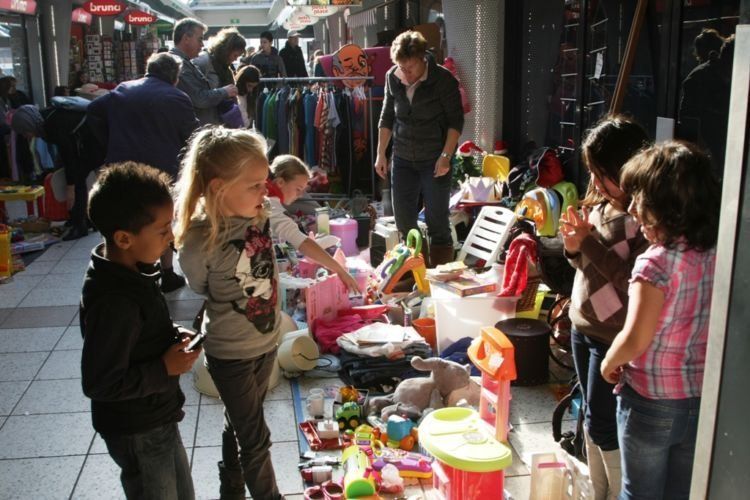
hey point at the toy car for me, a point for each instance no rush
(348, 416)
(400, 433)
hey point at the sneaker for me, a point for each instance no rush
(171, 281)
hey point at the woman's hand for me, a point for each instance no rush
(610, 372)
(574, 229)
(442, 166)
(381, 166)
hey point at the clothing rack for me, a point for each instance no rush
(327, 79)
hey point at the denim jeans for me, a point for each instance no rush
(657, 445)
(409, 180)
(601, 404)
(154, 464)
(246, 440)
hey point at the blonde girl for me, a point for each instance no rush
(289, 182)
(226, 253)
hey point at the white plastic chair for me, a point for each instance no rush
(488, 234)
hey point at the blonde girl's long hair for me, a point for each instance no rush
(213, 152)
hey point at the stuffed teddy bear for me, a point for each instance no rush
(414, 395)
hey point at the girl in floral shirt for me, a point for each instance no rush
(658, 358)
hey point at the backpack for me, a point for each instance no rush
(66, 126)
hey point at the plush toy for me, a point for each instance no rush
(418, 394)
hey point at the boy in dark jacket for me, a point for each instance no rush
(133, 354)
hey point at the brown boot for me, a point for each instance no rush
(441, 254)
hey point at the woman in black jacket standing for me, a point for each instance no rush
(422, 114)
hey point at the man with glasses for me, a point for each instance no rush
(188, 41)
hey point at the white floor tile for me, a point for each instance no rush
(285, 457)
(46, 435)
(39, 477)
(37, 317)
(11, 294)
(188, 425)
(100, 478)
(205, 472)
(40, 267)
(60, 365)
(53, 396)
(532, 438)
(71, 339)
(79, 252)
(55, 252)
(210, 424)
(71, 266)
(29, 339)
(192, 397)
(532, 404)
(10, 393)
(184, 293)
(55, 290)
(281, 421)
(282, 391)
(98, 447)
(518, 487)
(21, 365)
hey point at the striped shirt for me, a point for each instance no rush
(672, 366)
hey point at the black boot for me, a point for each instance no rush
(171, 281)
(441, 254)
(75, 232)
(232, 483)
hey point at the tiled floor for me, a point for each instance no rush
(48, 449)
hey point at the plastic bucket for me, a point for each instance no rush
(426, 328)
(298, 352)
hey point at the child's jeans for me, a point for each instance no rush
(154, 464)
(246, 440)
(601, 404)
(657, 445)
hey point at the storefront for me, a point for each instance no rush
(15, 18)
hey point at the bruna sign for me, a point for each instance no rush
(139, 18)
(22, 6)
(104, 7)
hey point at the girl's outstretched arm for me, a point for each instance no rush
(314, 251)
(644, 309)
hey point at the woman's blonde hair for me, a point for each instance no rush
(288, 167)
(407, 45)
(213, 153)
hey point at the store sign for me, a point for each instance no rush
(139, 18)
(103, 7)
(319, 10)
(234, 20)
(22, 6)
(81, 16)
(325, 3)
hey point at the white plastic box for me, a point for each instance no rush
(457, 317)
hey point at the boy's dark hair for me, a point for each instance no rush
(674, 188)
(267, 35)
(607, 146)
(125, 196)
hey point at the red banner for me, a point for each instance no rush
(22, 6)
(81, 16)
(139, 18)
(103, 7)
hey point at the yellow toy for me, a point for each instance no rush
(358, 481)
(400, 260)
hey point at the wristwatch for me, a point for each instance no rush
(445, 155)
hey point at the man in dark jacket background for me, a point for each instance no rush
(267, 59)
(294, 60)
(148, 121)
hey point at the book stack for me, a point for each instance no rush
(94, 58)
(466, 284)
(128, 61)
(108, 59)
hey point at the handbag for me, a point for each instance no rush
(233, 117)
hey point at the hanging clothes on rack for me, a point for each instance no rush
(324, 127)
